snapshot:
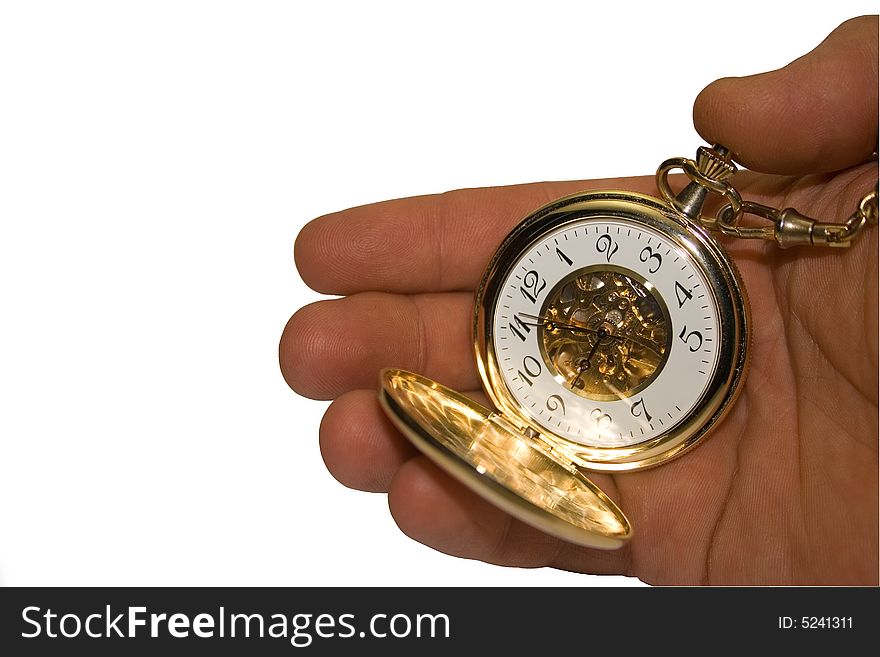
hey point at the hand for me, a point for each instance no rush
(784, 492)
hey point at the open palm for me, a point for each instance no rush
(785, 490)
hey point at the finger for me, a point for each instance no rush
(817, 114)
(331, 347)
(425, 243)
(360, 446)
(434, 509)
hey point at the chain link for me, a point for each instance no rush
(787, 227)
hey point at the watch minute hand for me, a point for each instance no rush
(544, 321)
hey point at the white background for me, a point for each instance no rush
(156, 162)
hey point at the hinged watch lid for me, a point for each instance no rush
(496, 460)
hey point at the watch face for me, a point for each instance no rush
(606, 332)
(613, 329)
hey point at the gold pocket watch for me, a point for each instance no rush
(611, 333)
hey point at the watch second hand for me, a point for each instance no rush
(583, 366)
(581, 371)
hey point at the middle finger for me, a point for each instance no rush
(331, 347)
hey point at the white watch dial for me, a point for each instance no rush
(606, 332)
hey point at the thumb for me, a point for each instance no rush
(817, 114)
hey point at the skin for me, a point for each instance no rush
(786, 489)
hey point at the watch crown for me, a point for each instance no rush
(715, 162)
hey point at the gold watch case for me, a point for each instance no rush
(525, 468)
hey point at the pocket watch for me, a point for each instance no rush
(611, 334)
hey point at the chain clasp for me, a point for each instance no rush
(788, 227)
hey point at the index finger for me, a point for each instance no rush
(435, 243)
